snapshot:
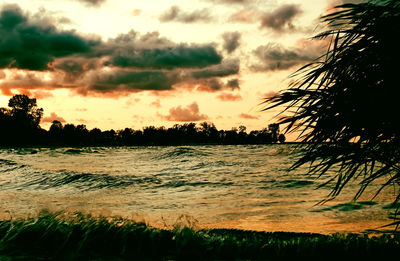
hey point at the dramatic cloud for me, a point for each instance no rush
(248, 116)
(229, 97)
(72, 69)
(53, 117)
(276, 57)
(180, 56)
(281, 18)
(121, 80)
(151, 51)
(189, 113)
(18, 79)
(133, 41)
(41, 94)
(231, 41)
(130, 62)
(175, 14)
(226, 68)
(214, 84)
(233, 84)
(31, 46)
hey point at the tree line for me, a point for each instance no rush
(20, 126)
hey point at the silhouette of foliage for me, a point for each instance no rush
(345, 104)
(20, 126)
(20, 123)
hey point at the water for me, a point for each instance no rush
(244, 187)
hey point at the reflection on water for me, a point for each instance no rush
(244, 187)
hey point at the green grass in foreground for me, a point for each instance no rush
(52, 236)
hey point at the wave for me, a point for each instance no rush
(26, 177)
(77, 151)
(7, 166)
(88, 181)
(345, 207)
(4, 162)
(181, 183)
(178, 152)
(295, 183)
(278, 152)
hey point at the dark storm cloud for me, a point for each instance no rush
(72, 69)
(215, 84)
(281, 18)
(226, 68)
(127, 63)
(180, 56)
(133, 80)
(277, 57)
(231, 41)
(175, 14)
(233, 84)
(26, 45)
(133, 50)
(135, 40)
(76, 67)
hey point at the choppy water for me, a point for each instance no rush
(245, 187)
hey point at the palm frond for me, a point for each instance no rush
(344, 104)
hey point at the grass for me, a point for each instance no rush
(55, 236)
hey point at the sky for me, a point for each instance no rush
(124, 63)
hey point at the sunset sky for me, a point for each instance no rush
(126, 63)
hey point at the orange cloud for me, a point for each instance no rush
(245, 16)
(42, 94)
(248, 116)
(156, 104)
(53, 117)
(189, 113)
(136, 12)
(229, 97)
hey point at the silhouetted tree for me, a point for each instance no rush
(346, 103)
(242, 128)
(55, 131)
(25, 109)
(20, 123)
